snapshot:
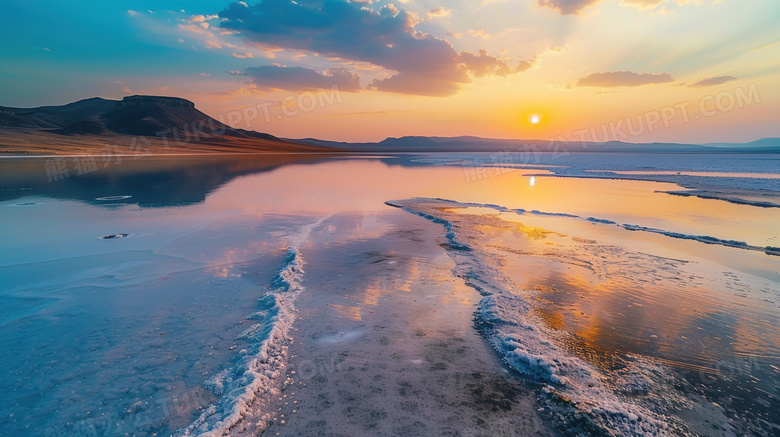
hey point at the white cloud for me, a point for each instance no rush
(478, 33)
(440, 12)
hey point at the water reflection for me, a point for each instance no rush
(148, 182)
(206, 228)
(708, 323)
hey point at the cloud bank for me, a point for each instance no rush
(623, 78)
(420, 63)
(573, 7)
(301, 79)
(711, 81)
(568, 7)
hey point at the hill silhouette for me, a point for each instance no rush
(160, 124)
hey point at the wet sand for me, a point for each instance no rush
(385, 344)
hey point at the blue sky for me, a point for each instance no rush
(421, 67)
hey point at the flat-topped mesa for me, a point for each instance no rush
(155, 100)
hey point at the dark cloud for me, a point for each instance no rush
(568, 7)
(711, 81)
(302, 79)
(422, 63)
(623, 78)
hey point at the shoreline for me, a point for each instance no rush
(393, 349)
(391, 153)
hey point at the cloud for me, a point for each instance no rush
(202, 18)
(420, 63)
(643, 4)
(650, 4)
(300, 78)
(764, 47)
(711, 81)
(478, 33)
(623, 78)
(568, 7)
(440, 12)
(573, 7)
(195, 29)
(213, 45)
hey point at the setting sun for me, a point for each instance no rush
(535, 119)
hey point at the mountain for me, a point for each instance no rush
(477, 144)
(53, 117)
(141, 125)
(762, 144)
(152, 124)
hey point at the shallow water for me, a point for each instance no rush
(130, 334)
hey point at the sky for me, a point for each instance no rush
(696, 71)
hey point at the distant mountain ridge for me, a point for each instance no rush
(478, 144)
(133, 115)
(87, 125)
(163, 123)
(763, 142)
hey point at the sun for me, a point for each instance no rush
(535, 119)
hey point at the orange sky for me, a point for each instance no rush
(631, 70)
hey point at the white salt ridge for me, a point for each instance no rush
(706, 239)
(577, 395)
(727, 197)
(246, 388)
